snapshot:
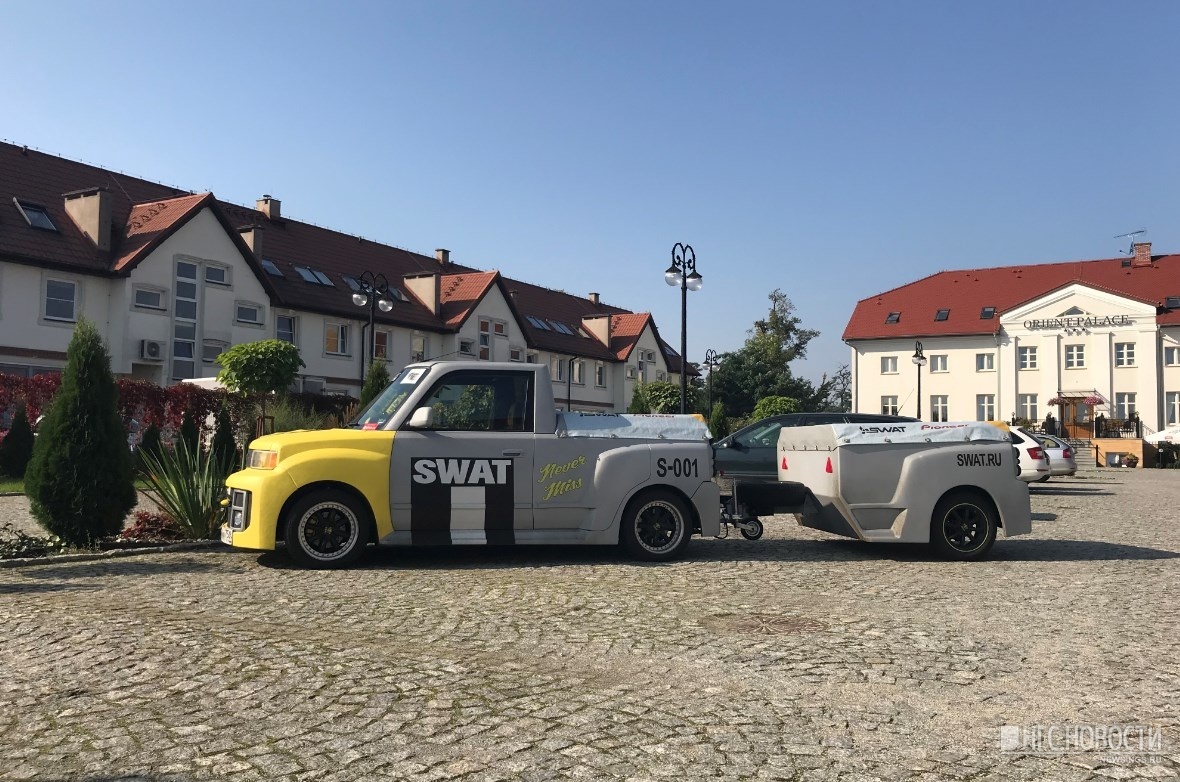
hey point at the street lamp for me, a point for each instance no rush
(711, 361)
(373, 293)
(683, 272)
(919, 361)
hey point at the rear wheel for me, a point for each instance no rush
(327, 529)
(752, 529)
(656, 526)
(963, 526)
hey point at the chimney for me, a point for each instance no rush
(598, 326)
(91, 211)
(593, 298)
(269, 207)
(425, 287)
(443, 256)
(252, 236)
(1142, 254)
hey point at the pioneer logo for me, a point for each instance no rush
(462, 472)
(881, 429)
(942, 426)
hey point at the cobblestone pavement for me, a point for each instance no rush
(799, 656)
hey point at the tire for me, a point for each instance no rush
(963, 526)
(755, 533)
(328, 528)
(656, 526)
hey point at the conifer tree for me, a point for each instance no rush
(79, 481)
(376, 379)
(190, 434)
(149, 444)
(224, 449)
(17, 447)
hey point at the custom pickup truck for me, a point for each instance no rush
(465, 453)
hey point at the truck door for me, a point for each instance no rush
(467, 478)
(563, 481)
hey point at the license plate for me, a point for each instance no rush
(227, 536)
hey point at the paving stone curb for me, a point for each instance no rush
(112, 554)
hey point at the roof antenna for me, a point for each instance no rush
(1130, 235)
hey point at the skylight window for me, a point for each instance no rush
(668, 351)
(893, 317)
(306, 274)
(322, 278)
(942, 314)
(35, 215)
(538, 323)
(1172, 302)
(561, 327)
(351, 282)
(397, 294)
(987, 313)
(269, 266)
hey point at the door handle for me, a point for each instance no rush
(512, 452)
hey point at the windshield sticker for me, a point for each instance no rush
(413, 376)
(371, 425)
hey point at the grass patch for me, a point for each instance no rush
(17, 486)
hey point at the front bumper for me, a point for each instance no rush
(264, 493)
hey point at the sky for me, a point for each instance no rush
(832, 150)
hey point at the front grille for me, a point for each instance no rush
(239, 509)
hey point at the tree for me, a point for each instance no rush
(190, 434)
(263, 367)
(639, 403)
(79, 481)
(376, 379)
(224, 449)
(838, 391)
(774, 405)
(17, 446)
(149, 444)
(718, 423)
(662, 397)
(761, 367)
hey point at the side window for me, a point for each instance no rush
(761, 436)
(483, 402)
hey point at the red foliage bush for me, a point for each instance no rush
(152, 526)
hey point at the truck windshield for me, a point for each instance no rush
(389, 401)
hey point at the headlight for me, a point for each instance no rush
(262, 460)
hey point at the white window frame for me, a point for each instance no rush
(1172, 355)
(260, 309)
(77, 299)
(1075, 356)
(228, 283)
(557, 369)
(939, 407)
(985, 362)
(221, 345)
(579, 374)
(294, 328)
(343, 340)
(1124, 404)
(985, 407)
(599, 374)
(939, 362)
(417, 354)
(889, 405)
(466, 347)
(515, 353)
(1124, 354)
(888, 365)
(1027, 407)
(161, 292)
(1172, 407)
(1027, 357)
(388, 344)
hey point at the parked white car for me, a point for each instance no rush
(1033, 461)
(1062, 458)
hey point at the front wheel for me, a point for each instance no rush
(963, 526)
(656, 526)
(327, 529)
(752, 529)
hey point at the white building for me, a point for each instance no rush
(1078, 340)
(172, 278)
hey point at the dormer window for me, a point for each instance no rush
(35, 215)
(942, 314)
(1172, 302)
(270, 268)
(893, 317)
(987, 313)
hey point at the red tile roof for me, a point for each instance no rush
(625, 331)
(145, 213)
(966, 292)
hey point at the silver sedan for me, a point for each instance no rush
(1062, 458)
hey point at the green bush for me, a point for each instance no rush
(662, 397)
(774, 405)
(190, 485)
(639, 403)
(224, 448)
(148, 444)
(79, 481)
(190, 432)
(290, 416)
(17, 448)
(376, 379)
(718, 423)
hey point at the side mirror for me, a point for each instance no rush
(423, 418)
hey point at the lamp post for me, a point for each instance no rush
(683, 272)
(374, 293)
(919, 361)
(710, 362)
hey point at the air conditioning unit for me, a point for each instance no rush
(151, 349)
(632, 373)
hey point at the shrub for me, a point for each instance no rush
(189, 485)
(718, 424)
(224, 448)
(289, 416)
(774, 405)
(79, 481)
(15, 544)
(376, 379)
(190, 433)
(148, 444)
(639, 403)
(662, 397)
(150, 525)
(17, 446)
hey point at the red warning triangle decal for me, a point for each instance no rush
(829, 466)
(784, 463)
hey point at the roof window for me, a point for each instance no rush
(538, 323)
(987, 313)
(269, 266)
(561, 327)
(314, 276)
(322, 278)
(35, 215)
(351, 282)
(668, 351)
(893, 317)
(942, 314)
(1172, 302)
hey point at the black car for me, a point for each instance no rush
(749, 454)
